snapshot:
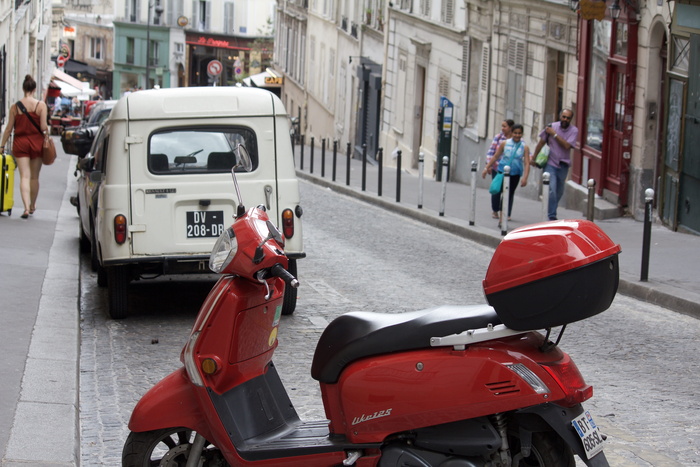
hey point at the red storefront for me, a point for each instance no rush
(239, 57)
(606, 92)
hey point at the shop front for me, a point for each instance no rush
(680, 174)
(239, 58)
(606, 97)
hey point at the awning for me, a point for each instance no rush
(66, 78)
(74, 67)
(266, 79)
(71, 87)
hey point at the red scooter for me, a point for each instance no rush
(451, 386)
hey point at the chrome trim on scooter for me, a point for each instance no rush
(472, 336)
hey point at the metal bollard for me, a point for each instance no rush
(591, 200)
(380, 157)
(311, 162)
(303, 142)
(646, 240)
(545, 195)
(323, 158)
(505, 200)
(421, 165)
(347, 168)
(445, 160)
(335, 156)
(398, 176)
(472, 211)
(364, 167)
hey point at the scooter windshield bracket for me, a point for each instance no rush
(472, 336)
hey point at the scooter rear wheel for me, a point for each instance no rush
(169, 447)
(548, 449)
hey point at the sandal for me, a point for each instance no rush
(32, 209)
(25, 215)
(494, 215)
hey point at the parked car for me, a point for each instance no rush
(156, 191)
(77, 140)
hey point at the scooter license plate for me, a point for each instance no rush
(203, 224)
(590, 434)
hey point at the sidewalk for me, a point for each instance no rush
(39, 337)
(673, 279)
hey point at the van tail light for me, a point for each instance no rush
(288, 223)
(120, 229)
(566, 374)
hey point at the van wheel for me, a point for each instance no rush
(289, 303)
(117, 291)
(94, 260)
(85, 246)
(101, 276)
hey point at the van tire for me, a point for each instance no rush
(101, 276)
(94, 260)
(289, 303)
(117, 291)
(85, 246)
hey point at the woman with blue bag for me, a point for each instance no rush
(514, 152)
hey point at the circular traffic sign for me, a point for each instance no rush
(214, 68)
(61, 61)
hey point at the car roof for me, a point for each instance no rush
(197, 102)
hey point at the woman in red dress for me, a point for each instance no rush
(27, 143)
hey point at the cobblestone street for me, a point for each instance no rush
(363, 258)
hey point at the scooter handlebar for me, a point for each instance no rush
(278, 271)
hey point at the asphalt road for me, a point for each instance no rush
(637, 356)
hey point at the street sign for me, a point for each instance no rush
(214, 68)
(61, 61)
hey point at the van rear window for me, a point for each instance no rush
(198, 150)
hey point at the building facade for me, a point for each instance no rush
(25, 48)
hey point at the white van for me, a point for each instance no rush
(159, 189)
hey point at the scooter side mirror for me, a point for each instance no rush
(242, 160)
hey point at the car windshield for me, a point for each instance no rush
(198, 150)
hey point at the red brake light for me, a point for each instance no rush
(120, 229)
(566, 374)
(288, 223)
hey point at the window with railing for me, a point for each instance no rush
(130, 48)
(155, 52)
(95, 48)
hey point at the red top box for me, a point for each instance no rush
(552, 273)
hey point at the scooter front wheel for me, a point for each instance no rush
(169, 447)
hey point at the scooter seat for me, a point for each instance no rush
(362, 334)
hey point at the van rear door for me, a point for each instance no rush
(182, 193)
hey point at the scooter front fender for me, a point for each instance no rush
(173, 402)
(559, 419)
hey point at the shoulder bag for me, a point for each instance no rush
(48, 150)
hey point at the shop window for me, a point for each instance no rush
(600, 52)
(175, 9)
(621, 39)
(95, 48)
(228, 18)
(514, 87)
(681, 54)
(447, 11)
(130, 48)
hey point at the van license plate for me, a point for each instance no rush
(590, 434)
(202, 224)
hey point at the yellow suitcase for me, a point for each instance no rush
(7, 184)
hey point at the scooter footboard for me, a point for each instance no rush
(559, 419)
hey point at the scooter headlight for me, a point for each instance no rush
(224, 251)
